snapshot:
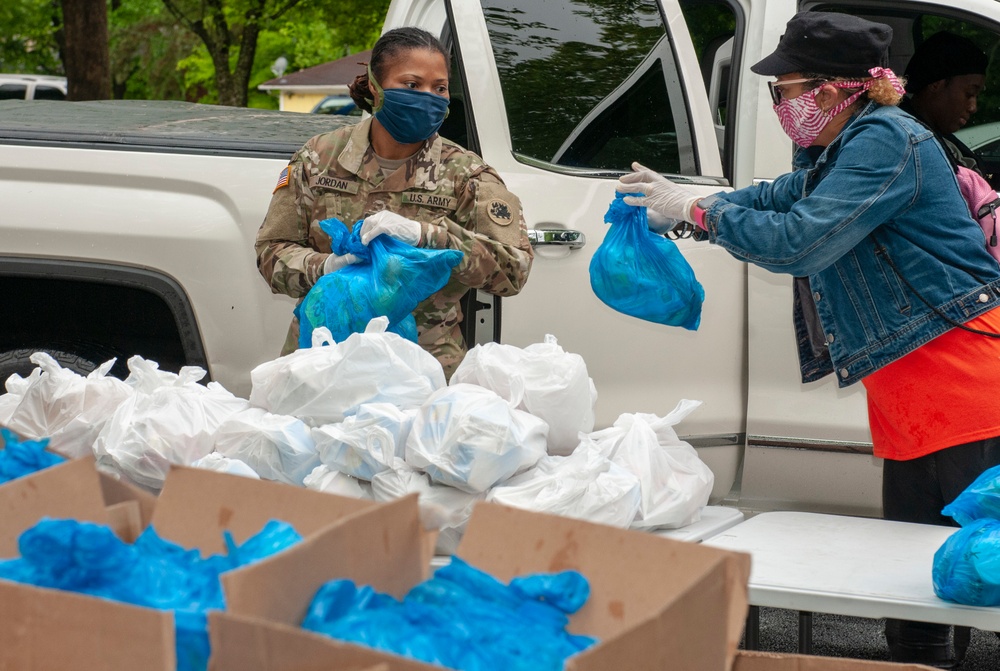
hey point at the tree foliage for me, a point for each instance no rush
(196, 50)
(146, 44)
(28, 41)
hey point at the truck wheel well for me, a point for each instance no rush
(92, 313)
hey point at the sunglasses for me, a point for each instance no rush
(775, 87)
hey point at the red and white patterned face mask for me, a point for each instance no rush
(803, 120)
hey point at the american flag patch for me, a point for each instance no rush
(282, 179)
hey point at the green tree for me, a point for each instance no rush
(146, 44)
(308, 34)
(28, 40)
(229, 30)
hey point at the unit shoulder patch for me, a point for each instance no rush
(500, 212)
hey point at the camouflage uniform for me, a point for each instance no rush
(460, 202)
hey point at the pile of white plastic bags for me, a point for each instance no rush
(373, 417)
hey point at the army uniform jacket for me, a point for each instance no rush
(460, 202)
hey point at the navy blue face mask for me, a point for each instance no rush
(409, 115)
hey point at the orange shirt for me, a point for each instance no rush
(939, 395)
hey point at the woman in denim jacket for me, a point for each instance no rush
(894, 286)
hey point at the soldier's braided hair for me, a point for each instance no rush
(388, 47)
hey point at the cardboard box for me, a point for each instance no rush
(766, 661)
(655, 603)
(242, 643)
(68, 490)
(45, 630)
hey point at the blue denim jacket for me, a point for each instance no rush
(882, 194)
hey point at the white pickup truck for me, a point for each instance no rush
(129, 227)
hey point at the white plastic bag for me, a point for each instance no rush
(222, 464)
(468, 437)
(15, 386)
(584, 485)
(325, 383)
(276, 447)
(441, 507)
(366, 443)
(676, 483)
(170, 419)
(542, 379)
(66, 407)
(325, 479)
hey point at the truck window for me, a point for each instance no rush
(13, 91)
(48, 93)
(591, 84)
(712, 25)
(982, 132)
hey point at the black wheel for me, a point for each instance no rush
(19, 361)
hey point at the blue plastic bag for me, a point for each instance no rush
(642, 274)
(462, 618)
(90, 559)
(980, 500)
(967, 567)
(24, 457)
(390, 281)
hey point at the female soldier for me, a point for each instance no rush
(404, 180)
(896, 287)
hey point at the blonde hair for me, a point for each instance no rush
(880, 89)
(883, 92)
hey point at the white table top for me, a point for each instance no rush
(847, 566)
(714, 520)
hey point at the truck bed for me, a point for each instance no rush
(162, 126)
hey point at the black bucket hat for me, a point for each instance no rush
(827, 43)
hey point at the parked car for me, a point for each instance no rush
(337, 105)
(984, 139)
(32, 87)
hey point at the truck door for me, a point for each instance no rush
(562, 97)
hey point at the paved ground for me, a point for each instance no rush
(861, 638)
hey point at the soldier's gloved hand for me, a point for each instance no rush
(658, 193)
(338, 261)
(391, 224)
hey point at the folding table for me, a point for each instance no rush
(714, 520)
(843, 565)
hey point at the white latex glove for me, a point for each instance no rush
(337, 261)
(659, 194)
(391, 224)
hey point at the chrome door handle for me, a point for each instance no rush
(556, 236)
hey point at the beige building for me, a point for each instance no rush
(301, 91)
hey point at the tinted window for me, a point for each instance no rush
(13, 91)
(591, 83)
(48, 93)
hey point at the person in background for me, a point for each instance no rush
(944, 78)
(396, 173)
(886, 299)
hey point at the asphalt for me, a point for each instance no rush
(859, 638)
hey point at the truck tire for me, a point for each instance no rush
(18, 361)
